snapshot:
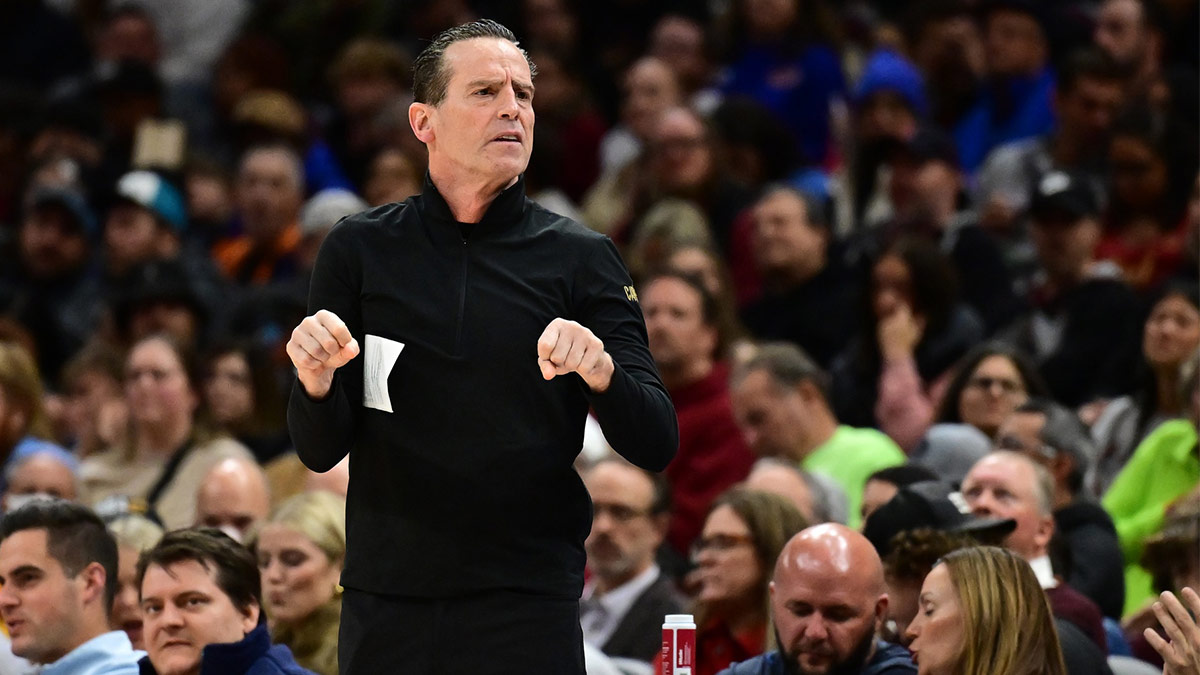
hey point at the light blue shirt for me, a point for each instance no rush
(107, 654)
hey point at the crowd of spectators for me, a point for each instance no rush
(876, 244)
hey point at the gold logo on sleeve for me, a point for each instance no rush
(631, 294)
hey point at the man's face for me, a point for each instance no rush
(130, 236)
(1002, 486)
(39, 603)
(1086, 112)
(1015, 44)
(784, 239)
(825, 619)
(924, 189)
(361, 97)
(183, 610)
(1121, 31)
(650, 90)
(625, 534)
(40, 475)
(269, 193)
(680, 43)
(1021, 432)
(876, 493)
(483, 128)
(769, 416)
(1065, 246)
(680, 155)
(52, 244)
(232, 501)
(675, 324)
(886, 114)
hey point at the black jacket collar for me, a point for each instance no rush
(507, 207)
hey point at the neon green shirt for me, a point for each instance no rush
(849, 457)
(1163, 468)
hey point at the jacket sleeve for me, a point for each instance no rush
(323, 431)
(904, 409)
(635, 412)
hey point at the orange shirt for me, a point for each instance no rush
(241, 260)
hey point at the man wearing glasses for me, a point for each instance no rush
(1053, 436)
(627, 596)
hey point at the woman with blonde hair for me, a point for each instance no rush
(301, 548)
(982, 612)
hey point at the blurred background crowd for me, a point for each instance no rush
(939, 213)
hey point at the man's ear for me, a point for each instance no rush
(94, 580)
(1062, 467)
(250, 617)
(420, 118)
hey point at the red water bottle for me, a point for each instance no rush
(678, 646)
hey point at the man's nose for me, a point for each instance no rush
(509, 108)
(815, 629)
(982, 505)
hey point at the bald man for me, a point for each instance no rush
(827, 601)
(233, 497)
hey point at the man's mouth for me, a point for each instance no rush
(507, 138)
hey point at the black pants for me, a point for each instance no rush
(493, 633)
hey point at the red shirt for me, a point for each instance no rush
(712, 456)
(717, 646)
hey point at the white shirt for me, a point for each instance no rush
(1044, 571)
(599, 616)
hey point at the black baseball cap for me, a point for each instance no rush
(1062, 196)
(929, 504)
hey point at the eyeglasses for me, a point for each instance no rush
(987, 383)
(720, 543)
(618, 512)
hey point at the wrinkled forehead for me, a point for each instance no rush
(1013, 473)
(486, 58)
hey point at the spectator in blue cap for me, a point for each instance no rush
(146, 226)
(145, 222)
(889, 106)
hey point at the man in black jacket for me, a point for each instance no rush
(1088, 551)
(487, 327)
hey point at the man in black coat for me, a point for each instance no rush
(454, 346)
(1089, 554)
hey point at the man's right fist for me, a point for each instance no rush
(320, 345)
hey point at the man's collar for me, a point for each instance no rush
(508, 206)
(1044, 571)
(626, 593)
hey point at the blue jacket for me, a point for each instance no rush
(253, 655)
(889, 659)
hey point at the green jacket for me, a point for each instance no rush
(1163, 468)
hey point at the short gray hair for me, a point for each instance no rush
(430, 75)
(787, 364)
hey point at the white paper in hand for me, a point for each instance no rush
(380, 355)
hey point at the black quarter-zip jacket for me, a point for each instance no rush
(469, 485)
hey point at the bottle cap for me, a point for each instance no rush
(680, 618)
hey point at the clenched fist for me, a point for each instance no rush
(567, 347)
(320, 345)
